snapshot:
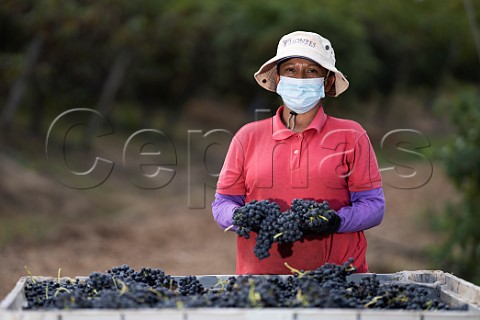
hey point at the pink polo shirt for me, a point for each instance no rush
(328, 160)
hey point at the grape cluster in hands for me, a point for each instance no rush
(273, 225)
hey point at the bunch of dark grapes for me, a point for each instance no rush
(281, 227)
(42, 294)
(288, 227)
(404, 296)
(265, 237)
(156, 278)
(314, 215)
(189, 286)
(331, 271)
(97, 281)
(249, 217)
(326, 287)
(123, 271)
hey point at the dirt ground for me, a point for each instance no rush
(46, 226)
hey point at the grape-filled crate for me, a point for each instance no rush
(332, 291)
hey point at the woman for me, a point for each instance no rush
(303, 153)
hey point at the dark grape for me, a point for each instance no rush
(189, 286)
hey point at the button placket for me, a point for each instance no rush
(299, 173)
(296, 152)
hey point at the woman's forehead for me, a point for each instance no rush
(299, 60)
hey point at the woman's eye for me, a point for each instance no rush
(313, 71)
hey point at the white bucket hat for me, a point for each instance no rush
(305, 45)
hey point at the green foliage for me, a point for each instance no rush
(460, 253)
(184, 48)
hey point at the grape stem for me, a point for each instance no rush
(115, 283)
(228, 228)
(60, 290)
(293, 270)
(373, 301)
(124, 287)
(316, 217)
(157, 293)
(30, 274)
(221, 283)
(300, 297)
(253, 296)
(428, 305)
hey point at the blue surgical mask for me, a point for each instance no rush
(301, 95)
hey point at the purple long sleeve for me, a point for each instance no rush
(223, 208)
(367, 211)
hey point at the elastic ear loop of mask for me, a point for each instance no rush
(291, 119)
(326, 78)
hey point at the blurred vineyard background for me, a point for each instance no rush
(184, 68)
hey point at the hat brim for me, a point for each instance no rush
(266, 75)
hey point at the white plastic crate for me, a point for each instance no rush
(450, 289)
